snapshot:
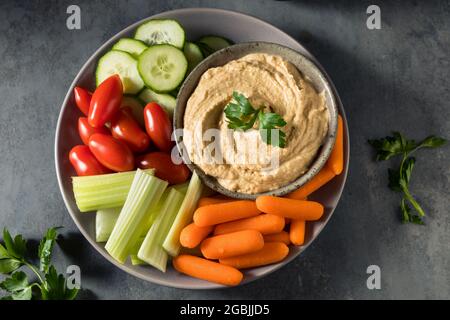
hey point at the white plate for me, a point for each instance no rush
(197, 22)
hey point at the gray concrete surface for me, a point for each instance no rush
(395, 78)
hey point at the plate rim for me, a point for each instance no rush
(202, 285)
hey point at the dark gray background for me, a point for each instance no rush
(395, 78)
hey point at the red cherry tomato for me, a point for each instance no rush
(85, 163)
(165, 169)
(82, 99)
(158, 126)
(126, 129)
(105, 101)
(111, 152)
(85, 130)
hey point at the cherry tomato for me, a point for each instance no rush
(105, 101)
(82, 99)
(165, 169)
(158, 126)
(126, 129)
(85, 163)
(112, 153)
(85, 130)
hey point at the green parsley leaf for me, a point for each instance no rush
(55, 287)
(46, 247)
(241, 115)
(432, 142)
(16, 248)
(17, 281)
(9, 265)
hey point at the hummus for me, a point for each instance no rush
(268, 81)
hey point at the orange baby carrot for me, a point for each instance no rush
(290, 208)
(207, 270)
(264, 223)
(206, 201)
(320, 179)
(192, 235)
(224, 212)
(232, 244)
(336, 160)
(271, 252)
(297, 232)
(282, 236)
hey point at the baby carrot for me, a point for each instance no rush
(282, 236)
(271, 253)
(224, 212)
(297, 232)
(320, 179)
(206, 201)
(290, 208)
(232, 244)
(207, 270)
(336, 160)
(264, 223)
(192, 235)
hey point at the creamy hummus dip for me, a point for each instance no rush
(268, 81)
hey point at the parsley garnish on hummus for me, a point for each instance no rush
(241, 115)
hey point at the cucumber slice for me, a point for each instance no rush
(136, 108)
(131, 46)
(164, 100)
(193, 55)
(162, 67)
(210, 44)
(161, 31)
(123, 64)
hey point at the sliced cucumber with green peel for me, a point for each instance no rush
(162, 67)
(136, 107)
(131, 46)
(164, 100)
(123, 64)
(193, 55)
(161, 31)
(211, 44)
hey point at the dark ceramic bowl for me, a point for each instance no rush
(304, 65)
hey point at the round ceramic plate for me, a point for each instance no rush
(196, 22)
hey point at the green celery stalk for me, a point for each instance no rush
(103, 191)
(151, 250)
(184, 216)
(135, 261)
(105, 219)
(145, 192)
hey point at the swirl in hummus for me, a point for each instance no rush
(268, 81)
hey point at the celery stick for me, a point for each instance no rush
(105, 219)
(103, 191)
(151, 250)
(135, 261)
(145, 192)
(184, 216)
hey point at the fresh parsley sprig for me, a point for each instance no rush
(50, 284)
(241, 115)
(398, 145)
